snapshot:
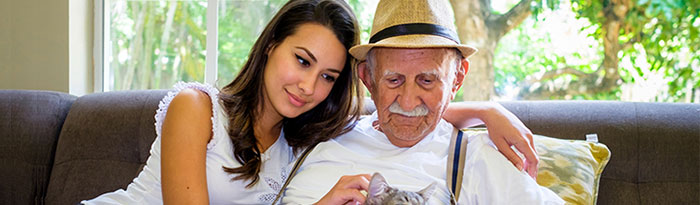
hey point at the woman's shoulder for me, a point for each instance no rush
(191, 100)
(187, 98)
(193, 92)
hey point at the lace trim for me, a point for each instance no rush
(213, 95)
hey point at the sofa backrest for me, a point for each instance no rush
(30, 122)
(105, 140)
(655, 147)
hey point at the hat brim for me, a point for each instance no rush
(411, 41)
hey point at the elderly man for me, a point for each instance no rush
(414, 65)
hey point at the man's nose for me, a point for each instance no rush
(410, 98)
(307, 83)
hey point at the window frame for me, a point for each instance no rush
(102, 51)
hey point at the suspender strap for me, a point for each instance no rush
(455, 163)
(293, 172)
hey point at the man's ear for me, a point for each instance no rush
(364, 72)
(459, 76)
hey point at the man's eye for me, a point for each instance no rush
(426, 80)
(302, 61)
(394, 82)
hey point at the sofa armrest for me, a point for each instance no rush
(30, 122)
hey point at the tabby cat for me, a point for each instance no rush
(380, 193)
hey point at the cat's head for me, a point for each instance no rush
(380, 193)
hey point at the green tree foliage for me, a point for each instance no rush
(364, 10)
(240, 24)
(626, 43)
(156, 43)
(635, 42)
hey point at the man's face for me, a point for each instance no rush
(411, 89)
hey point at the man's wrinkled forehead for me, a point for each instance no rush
(406, 57)
(432, 72)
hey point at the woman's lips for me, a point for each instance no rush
(295, 100)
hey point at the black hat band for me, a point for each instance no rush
(414, 28)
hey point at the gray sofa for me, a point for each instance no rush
(56, 148)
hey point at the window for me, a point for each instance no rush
(152, 44)
(240, 24)
(146, 44)
(557, 52)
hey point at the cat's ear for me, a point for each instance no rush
(428, 191)
(377, 185)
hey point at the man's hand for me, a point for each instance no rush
(506, 130)
(347, 190)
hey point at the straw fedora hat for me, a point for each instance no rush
(413, 24)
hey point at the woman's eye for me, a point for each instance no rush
(328, 78)
(302, 61)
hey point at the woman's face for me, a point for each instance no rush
(300, 71)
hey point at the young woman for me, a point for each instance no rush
(298, 88)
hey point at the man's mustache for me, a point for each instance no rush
(420, 110)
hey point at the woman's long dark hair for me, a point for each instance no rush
(336, 115)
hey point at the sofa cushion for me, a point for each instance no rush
(105, 140)
(654, 144)
(30, 122)
(571, 168)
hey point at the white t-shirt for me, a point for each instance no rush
(489, 178)
(146, 187)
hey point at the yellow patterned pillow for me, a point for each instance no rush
(571, 168)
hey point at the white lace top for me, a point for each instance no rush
(146, 187)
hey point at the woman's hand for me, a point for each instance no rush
(505, 130)
(347, 190)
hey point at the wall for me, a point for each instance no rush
(39, 45)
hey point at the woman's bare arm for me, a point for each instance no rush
(185, 133)
(505, 130)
